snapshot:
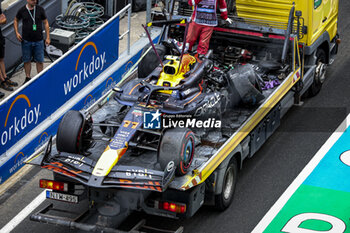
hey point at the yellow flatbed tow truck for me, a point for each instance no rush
(215, 113)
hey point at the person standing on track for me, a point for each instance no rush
(33, 16)
(203, 21)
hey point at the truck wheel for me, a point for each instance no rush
(71, 132)
(151, 61)
(177, 145)
(224, 199)
(320, 73)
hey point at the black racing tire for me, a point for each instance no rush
(68, 138)
(151, 61)
(225, 198)
(319, 76)
(177, 145)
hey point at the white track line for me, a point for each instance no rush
(275, 209)
(24, 213)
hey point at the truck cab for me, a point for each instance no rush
(319, 19)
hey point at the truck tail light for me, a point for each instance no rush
(171, 206)
(54, 185)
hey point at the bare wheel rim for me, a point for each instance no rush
(321, 71)
(188, 154)
(228, 183)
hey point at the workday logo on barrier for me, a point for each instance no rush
(43, 139)
(128, 66)
(110, 83)
(15, 125)
(85, 70)
(20, 158)
(89, 101)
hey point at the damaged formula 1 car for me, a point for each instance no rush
(128, 155)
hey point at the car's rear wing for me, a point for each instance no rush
(79, 168)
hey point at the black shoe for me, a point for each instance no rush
(5, 86)
(11, 83)
(27, 80)
(1, 94)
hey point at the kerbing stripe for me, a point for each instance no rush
(277, 207)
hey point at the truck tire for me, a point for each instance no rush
(151, 61)
(224, 199)
(177, 145)
(71, 133)
(320, 73)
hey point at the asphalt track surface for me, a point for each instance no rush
(263, 178)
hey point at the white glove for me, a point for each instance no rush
(229, 20)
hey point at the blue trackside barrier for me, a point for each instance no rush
(31, 115)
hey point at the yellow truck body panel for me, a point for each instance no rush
(319, 15)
